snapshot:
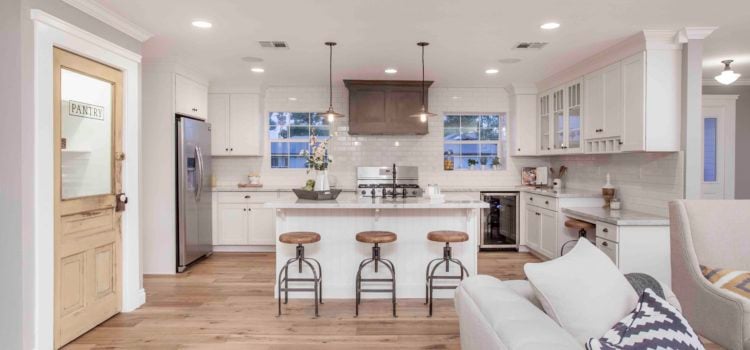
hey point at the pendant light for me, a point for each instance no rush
(727, 76)
(423, 114)
(330, 114)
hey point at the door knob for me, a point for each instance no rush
(120, 200)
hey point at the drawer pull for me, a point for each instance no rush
(247, 196)
(531, 198)
(605, 230)
(546, 202)
(605, 244)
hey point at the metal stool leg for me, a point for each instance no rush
(427, 281)
(317, 279)
(376, 259)
(447, 259)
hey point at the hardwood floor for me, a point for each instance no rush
(226, 302)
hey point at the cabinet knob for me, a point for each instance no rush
(195, 109)
(546, 202)
(244, 209)
(620, 142)
(605, 244)
(519, 150)
(537, 214)
(231, 149)
(247, 196)
(531, 198)
(605, 230)
(226, 149)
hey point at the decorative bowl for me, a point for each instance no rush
(317, 195)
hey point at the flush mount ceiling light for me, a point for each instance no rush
(550, 25)
(492, 71)
(292, 99)
(257, 70)
(727, 76)
(330, 113)
(423, 114)
(391, 71)
(202, 24)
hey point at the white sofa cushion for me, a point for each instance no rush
(583, 291)
(493, 316)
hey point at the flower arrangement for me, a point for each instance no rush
(317, 158)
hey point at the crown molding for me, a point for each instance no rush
(521, 89)
(694, 33)
(98, 11)
(52, 21)
(713, 82)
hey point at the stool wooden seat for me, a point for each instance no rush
(376, 237)
(447, 236)
(299, 237)
(578, 224)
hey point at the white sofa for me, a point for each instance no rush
(506, 315)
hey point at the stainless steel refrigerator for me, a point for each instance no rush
(194, 236)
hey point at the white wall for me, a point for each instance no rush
(11, 177)
(644, 182)
(352, 151)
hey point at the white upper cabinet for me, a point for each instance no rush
(603, 103)
(560, 119)
(191, 97)
(236, 124)
(523, 119)
(652, 101)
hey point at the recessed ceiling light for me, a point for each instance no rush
(492, 71)
(456, 97)
(391, 71)
(292, 99)
(550, 25)
(257, 70)
(202, 24)
(509, 60)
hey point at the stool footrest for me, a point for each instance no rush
(376, 290)
(444, 287)
(297, 289)
(445, 277)
(376, 279)
(299, 280)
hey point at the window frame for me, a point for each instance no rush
(502, 150)
(290, 140)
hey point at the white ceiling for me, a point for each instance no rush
(466, 37)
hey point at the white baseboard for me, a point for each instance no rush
(244, 248)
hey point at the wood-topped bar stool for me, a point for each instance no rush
(582, 226)
(376, 238)
(446, 237)
(300, 238)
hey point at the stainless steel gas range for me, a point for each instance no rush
(388, 182)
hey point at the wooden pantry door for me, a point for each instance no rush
(87, 162)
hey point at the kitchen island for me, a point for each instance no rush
(339, 253)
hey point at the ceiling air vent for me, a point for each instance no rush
(274, 44)
(530, 45)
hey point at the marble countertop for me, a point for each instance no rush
(565, 193)
(368, 203)
(617, 217)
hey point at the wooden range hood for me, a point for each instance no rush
(383, 107)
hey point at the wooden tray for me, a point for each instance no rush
(317, 195)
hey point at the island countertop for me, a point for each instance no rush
(369, 203)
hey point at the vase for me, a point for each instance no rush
(321, 181)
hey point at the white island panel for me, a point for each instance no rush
(340, 254)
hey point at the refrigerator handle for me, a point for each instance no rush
(199, 156)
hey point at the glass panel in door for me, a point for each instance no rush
(559, 119)
(574, 116)
(86, 149)
(544, 123)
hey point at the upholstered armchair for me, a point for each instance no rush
(713, 233)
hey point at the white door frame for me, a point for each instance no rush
(728, 104)
(50, 31)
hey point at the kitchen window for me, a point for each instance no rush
(289, 134)
(475, 141)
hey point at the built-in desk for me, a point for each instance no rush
(635, 241)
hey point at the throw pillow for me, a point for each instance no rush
(654, 324)
(583, 291)
(737, 282)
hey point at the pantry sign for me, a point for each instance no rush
(85, 110)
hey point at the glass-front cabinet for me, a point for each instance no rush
(560, 119)
(544, 126)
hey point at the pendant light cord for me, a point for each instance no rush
(330, 78)
(423, 106)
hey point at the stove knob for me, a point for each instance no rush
(363, 192)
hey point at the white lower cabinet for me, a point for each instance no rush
(543, 229)
(241, 220)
